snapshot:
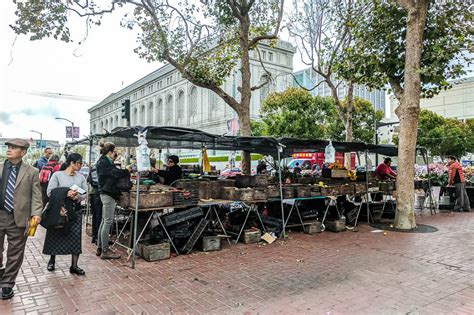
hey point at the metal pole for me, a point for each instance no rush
(135, 221)
(72, 133)
(367, 185)
(281, 192)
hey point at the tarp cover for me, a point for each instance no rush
(186, 138)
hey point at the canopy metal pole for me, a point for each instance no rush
(281, 192)
(135, 223)
(88, 209)
(367, 184)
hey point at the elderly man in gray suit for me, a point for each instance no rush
(20, 200)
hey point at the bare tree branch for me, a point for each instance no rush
(274, 35)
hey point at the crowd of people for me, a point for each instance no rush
(50, 193)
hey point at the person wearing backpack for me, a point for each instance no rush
(43, 160)
(96, 203)
(45, 174)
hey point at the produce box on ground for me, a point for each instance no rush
(210, 243)
(335, 226)
(251, 236)
(155, 252)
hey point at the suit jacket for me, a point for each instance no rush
(27, 198)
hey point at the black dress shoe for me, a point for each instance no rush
(51, 266)
(76, 270)
(7, 293)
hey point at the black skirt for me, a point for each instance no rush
(64, 241)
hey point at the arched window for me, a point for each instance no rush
(193, 105)
(180, 109)
(101, 127)
(135, 116)
(169, 110)
(159, 112)
(107, 125)
(150, 115)
(213, 105)
(142, 115)
(116, 121)
(94, 128)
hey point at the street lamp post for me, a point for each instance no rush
(41, 138)
(72, 123)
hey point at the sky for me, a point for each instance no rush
(93, 70)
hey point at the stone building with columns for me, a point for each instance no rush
(164, 98)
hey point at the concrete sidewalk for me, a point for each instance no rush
(327, 273)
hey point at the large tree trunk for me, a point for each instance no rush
(349, 110)
(408, 113)
(244, 112)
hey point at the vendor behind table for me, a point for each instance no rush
(172, 173)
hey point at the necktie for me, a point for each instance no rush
(10, 190)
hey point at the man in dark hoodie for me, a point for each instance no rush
(173, 171)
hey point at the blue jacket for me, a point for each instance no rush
(42, 161)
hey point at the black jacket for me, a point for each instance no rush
(108, 174)
(172, 174)
(50, 217)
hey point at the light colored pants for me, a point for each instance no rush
(108, 212)
(462, 199)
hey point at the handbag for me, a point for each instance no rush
(63, 218)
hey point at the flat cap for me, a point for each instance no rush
(22, 143)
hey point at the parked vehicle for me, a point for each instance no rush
(312, 161)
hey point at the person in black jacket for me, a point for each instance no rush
(173, 171)
(108, 175)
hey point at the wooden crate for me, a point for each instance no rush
(335, 226)
(331, 191)
(347, 189)
(315, 191)
(251, 236)
(360, 188)
(243, 181)
(153, 252)
(183, 197)
(303, 191)
(254, 194)
(387, 186)
(313, 227)
(202, 186)
(273, 192)
(216, 186)
(288, 192)
(152, 199)
(210, 243)
(339, 174)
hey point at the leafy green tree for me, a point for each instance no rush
(203, 40)
(259, 128)
(444, 136)
(415, 46)
(296, 113)
(322, 29)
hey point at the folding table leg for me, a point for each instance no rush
(255, 208)
(299, 215)
(169, 237)
(140, 235)
(220, 223)
(289, 214)
(117, 240)
(243, 225)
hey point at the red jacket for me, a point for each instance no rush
(452, 172)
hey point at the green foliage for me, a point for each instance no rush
(259, 128)
(445, 136)
(377, 54)
(295, 113)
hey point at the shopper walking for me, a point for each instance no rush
(20, 199)
(456, 178)
(108, 175)
(43, 160)
(45, 174)
(68, 239)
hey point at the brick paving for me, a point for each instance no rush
(327, 273)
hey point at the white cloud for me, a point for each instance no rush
(94, 69)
